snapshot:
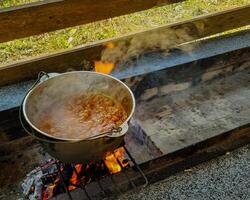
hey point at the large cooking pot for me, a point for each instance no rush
(55, 89)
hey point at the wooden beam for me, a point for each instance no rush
(75, 58)
(45, 16)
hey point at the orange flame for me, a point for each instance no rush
(111, 160)
(74, 177)
(120, 155)
(105, 67)
(112, 164)
(110, 45)
(50, 190)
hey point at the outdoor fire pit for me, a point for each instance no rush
(53, 177)
(189, 81)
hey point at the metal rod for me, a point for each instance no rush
(99, 183)
(137, 166)
(82, 186)
(100, 186)
(125, 173)
(115, 184)
(63, 181)
(86, 193)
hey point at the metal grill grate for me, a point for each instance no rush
(97, 179)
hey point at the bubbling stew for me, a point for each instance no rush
(82, 116)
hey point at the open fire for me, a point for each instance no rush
(102, 67)
(105, 67)
(116, 161)
(51, 183)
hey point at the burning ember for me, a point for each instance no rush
(45, 182)
(74, 178)
(116, 161)
(105, 67)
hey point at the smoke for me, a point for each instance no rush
(136, 45)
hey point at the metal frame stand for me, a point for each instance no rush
(97, 179)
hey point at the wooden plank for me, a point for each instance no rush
(75, 58)
(45, 16)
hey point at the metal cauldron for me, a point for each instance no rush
(54, 89)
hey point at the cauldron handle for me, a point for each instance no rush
(21, 119)
(120, 129)
(32, 133)
(108, 133)
(40, 75)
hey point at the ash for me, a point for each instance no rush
(33, 185)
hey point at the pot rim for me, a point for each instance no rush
(77, 140)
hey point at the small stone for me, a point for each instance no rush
(188, 170)
(178, 8)
(149, 93)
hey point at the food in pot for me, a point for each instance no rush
(82, 116)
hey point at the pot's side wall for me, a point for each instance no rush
(84, 151)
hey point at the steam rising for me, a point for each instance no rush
(51, 99)
(136, 45)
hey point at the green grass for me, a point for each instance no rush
(8, 3)
(67, 38)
